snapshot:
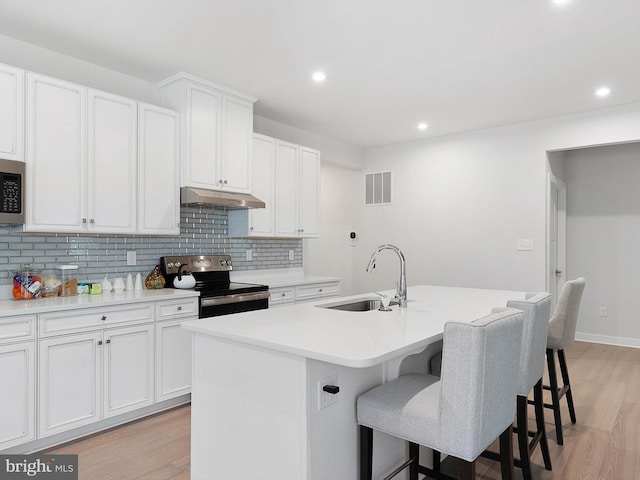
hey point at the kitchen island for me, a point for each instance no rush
(258, 406)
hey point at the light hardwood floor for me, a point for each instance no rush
(604, 444)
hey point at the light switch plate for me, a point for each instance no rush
(525, 244)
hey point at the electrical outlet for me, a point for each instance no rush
(131, 257)
(291, 255)
(604, 312)
(325, 398)
(249, 255)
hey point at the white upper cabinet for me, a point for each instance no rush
(159, 196)
(286, 177)
(258, 222)
(11, 113)
(287, 189)
(111, 173)
(297, 191)
(309, 192)
(56, 155)
(95, 164)
(217, 127)
(81, 158)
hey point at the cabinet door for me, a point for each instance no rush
(112, 161)
(236, 134)
(261, 220)
(17, 402)
(202, 148)
(286, 198)
(11, 113)
(69, 382)
(173, 359)
(158, 194)
(56, 154)
(128, 369)
(309, 195)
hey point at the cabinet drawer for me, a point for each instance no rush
(15, 328)
(317, 290)
(281, 295)
(168, 309)
(91, 318)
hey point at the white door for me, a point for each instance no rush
(236, 131)
(261, 220)
(11, 113)
(286, 190)
(112, 162)
(56, 155)
(158, 185)
(69, 382)
(557, 238)
(17, 402)
(128, 369)
(173, 359)
(309, 194)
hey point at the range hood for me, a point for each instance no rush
(231, 200)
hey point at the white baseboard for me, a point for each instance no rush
(608, 340)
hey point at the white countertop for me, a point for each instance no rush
(282, 277)
(356, 339)
(17, 307)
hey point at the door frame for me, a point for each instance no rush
(554, 283)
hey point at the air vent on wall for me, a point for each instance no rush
(377, 189)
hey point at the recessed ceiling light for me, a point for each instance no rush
(561, 2)
(422, 126)
(319, 77)
(603, 91)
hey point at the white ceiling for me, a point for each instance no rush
(456, 64)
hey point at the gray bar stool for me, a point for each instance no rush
(562, 333)
(537, 309)
(459, 414)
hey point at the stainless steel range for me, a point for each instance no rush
(218, 295)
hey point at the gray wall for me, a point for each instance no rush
(203, 231)
(603, 239)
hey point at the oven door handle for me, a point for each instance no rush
(236, 298)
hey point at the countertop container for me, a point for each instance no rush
(69, 278)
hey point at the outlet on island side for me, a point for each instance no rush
(604, 312)
(325, 397)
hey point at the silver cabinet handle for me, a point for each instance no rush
(104, 317)
(99, 342)
(179, 308)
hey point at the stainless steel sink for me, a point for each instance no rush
(362, 305)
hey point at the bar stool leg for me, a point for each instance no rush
(555, 399)
(565, 379)
(523, 436)
(366, 453)
(468, 470)
(506, 455)
(539, 411)
(414, 455)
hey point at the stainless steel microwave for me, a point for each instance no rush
(11, 192)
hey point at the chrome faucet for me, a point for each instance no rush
(401, 292)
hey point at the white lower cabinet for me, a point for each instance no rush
(173, 359)
(173, 347)
(88, 376)
(69, 382)
(17, 401)
(288, 295)
(128, 369)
